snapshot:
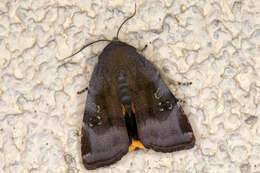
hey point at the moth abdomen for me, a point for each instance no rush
(124, 92)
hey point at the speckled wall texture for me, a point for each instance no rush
(213, 44)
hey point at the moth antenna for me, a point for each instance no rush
(116, 38)
(85, 46)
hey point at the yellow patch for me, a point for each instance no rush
(135, 144)
(133, 108)
(123, 110)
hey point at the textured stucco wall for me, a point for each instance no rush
(214, 44)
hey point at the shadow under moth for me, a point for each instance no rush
(129, 106)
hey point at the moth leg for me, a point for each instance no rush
(184, 83)
(168, 79)
(82, 91)
(180, 101)
(143, 49)
(174, 82)
(77, 132)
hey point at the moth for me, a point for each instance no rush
(129, 106)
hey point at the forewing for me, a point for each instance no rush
(161, 122)
(104, 135)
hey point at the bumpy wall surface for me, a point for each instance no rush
(213, 44)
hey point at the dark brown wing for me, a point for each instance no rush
(161, 122)
(104, 135)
